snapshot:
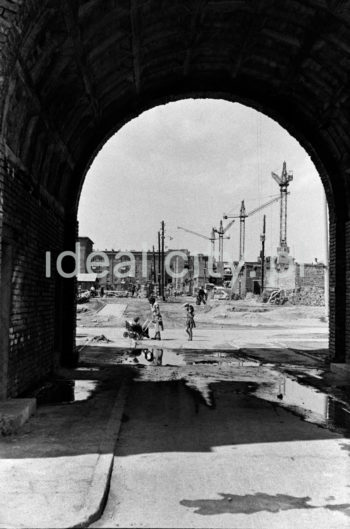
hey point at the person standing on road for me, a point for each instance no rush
(157, 320)
(152, 300)
(190, 323)
(201, 296)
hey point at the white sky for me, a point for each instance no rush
(189, 162)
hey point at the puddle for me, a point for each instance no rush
(231, 361)
(181, 357)
(155, 356)
(310, 403)
(66, 391)
(234, 359)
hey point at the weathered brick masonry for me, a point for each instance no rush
(35, 229)
(72, 72)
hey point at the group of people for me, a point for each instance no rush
(157, 321)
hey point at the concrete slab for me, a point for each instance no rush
(14, 413)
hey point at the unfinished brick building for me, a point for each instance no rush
(74, 71)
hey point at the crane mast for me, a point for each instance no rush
(212, 242)
(221, 232)
(242, 216)
(283, 181)
(221, 248)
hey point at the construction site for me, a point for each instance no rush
(274, 279)
(174, 264)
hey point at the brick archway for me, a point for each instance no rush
(73, 72)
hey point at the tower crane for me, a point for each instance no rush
(221, 232)
(242, 216)
(212, 238)
(283, 181)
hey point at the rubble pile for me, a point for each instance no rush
(100, 338)
(311, 296)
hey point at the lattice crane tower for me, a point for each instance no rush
(283, 181)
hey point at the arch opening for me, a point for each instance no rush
(188, 162)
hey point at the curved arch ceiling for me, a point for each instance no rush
(75, 70)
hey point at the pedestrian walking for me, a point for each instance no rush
(157, 320)
(190, 323)
(201, 296)
(152, 300)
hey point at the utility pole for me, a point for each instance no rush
(154, 266)
(177, 273)
(159, 266)
(262, 255)
(163, 277)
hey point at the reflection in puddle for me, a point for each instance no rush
(294, 394)
(66, 391)
(290, 391)
(180, 357)
(229, 358)
(155, 356)
(312, 404)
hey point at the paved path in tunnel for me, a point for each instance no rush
(188, 456)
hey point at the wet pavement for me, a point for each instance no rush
(245, 427)
(208, 438)
(215, 454)
(303, 390)
(218, 439)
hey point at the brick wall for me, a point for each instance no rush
(35, 229)
(338, 321)
(347, 294)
